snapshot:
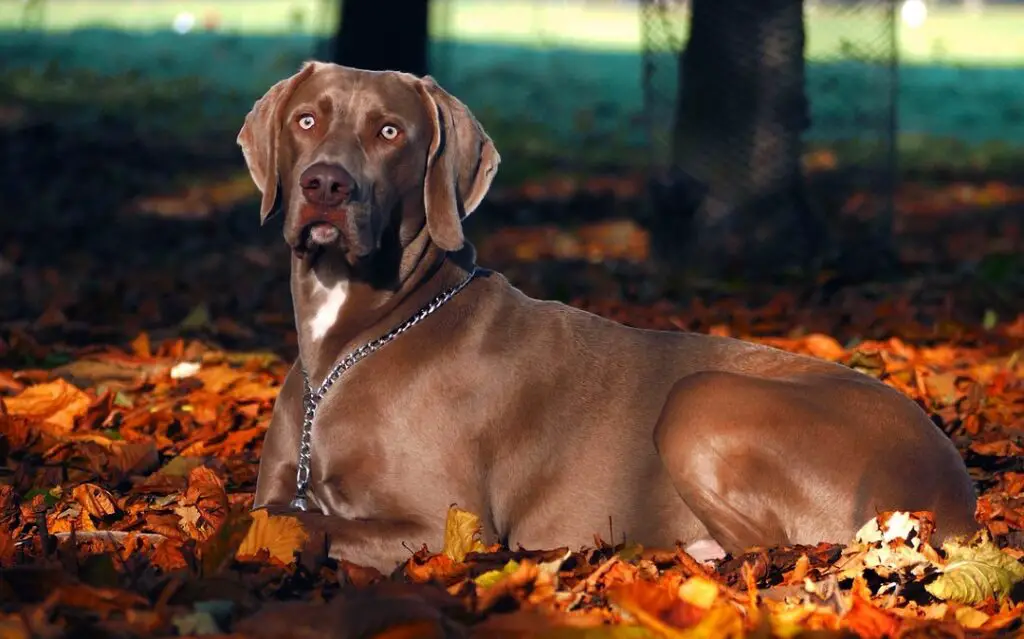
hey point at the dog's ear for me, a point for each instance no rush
(260, 135)
(461, 164)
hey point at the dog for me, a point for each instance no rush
(423, 380)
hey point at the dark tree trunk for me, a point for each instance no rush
(383, 35)
(739, 120)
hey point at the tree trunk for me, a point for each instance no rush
(739, 121)
(383, 35)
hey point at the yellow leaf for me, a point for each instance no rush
(461, 534)
(699, 591)
(971, 618)
(280, 535)
(491, 577)
(721, 622)
(55, 404)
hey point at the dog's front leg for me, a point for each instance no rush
(275, 484)
(381, 544)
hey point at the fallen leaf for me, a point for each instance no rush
(867, 620)
(824, 346)
(462, 531)
(96, 501)
(56, 404)
(141, 346)
(975, 572)
(491, 577)
(204, 506)
(279, 535)
(970, 618)
(699, 591)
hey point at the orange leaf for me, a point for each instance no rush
(141, 346)
(824, 346)
(169, 556)
(56, 404)
(1000, 448)
(217, 379)
(253, 391)
(279, 535)
(424, 567)
(867, 620)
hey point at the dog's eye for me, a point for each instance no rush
(306, 122)
(389, 132)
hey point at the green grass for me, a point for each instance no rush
(949, 35)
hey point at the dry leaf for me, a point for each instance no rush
(56, 404)
(96, 501)
(204, 505)
(462, 531)
(279, 535)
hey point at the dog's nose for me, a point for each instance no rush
(326, 184)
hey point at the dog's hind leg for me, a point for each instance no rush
(733, 483)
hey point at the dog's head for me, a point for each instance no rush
(348, 154)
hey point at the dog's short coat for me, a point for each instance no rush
(541, 418)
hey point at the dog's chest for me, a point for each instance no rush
(377, 453)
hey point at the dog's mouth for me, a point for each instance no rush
(317, 235)
(322, 234)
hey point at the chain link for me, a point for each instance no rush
(312, 398)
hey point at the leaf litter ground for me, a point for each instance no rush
(137, 377)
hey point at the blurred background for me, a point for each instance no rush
(655, 152)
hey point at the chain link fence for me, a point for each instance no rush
(851, 82)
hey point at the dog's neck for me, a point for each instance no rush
(339, 307)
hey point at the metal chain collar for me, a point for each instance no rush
(311, 398)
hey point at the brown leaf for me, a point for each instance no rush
(107, 370)
(169, 556)
(96, 501)
(204, 505)
(8, 549)
(102, 601)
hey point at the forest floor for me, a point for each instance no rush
(140, 356)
